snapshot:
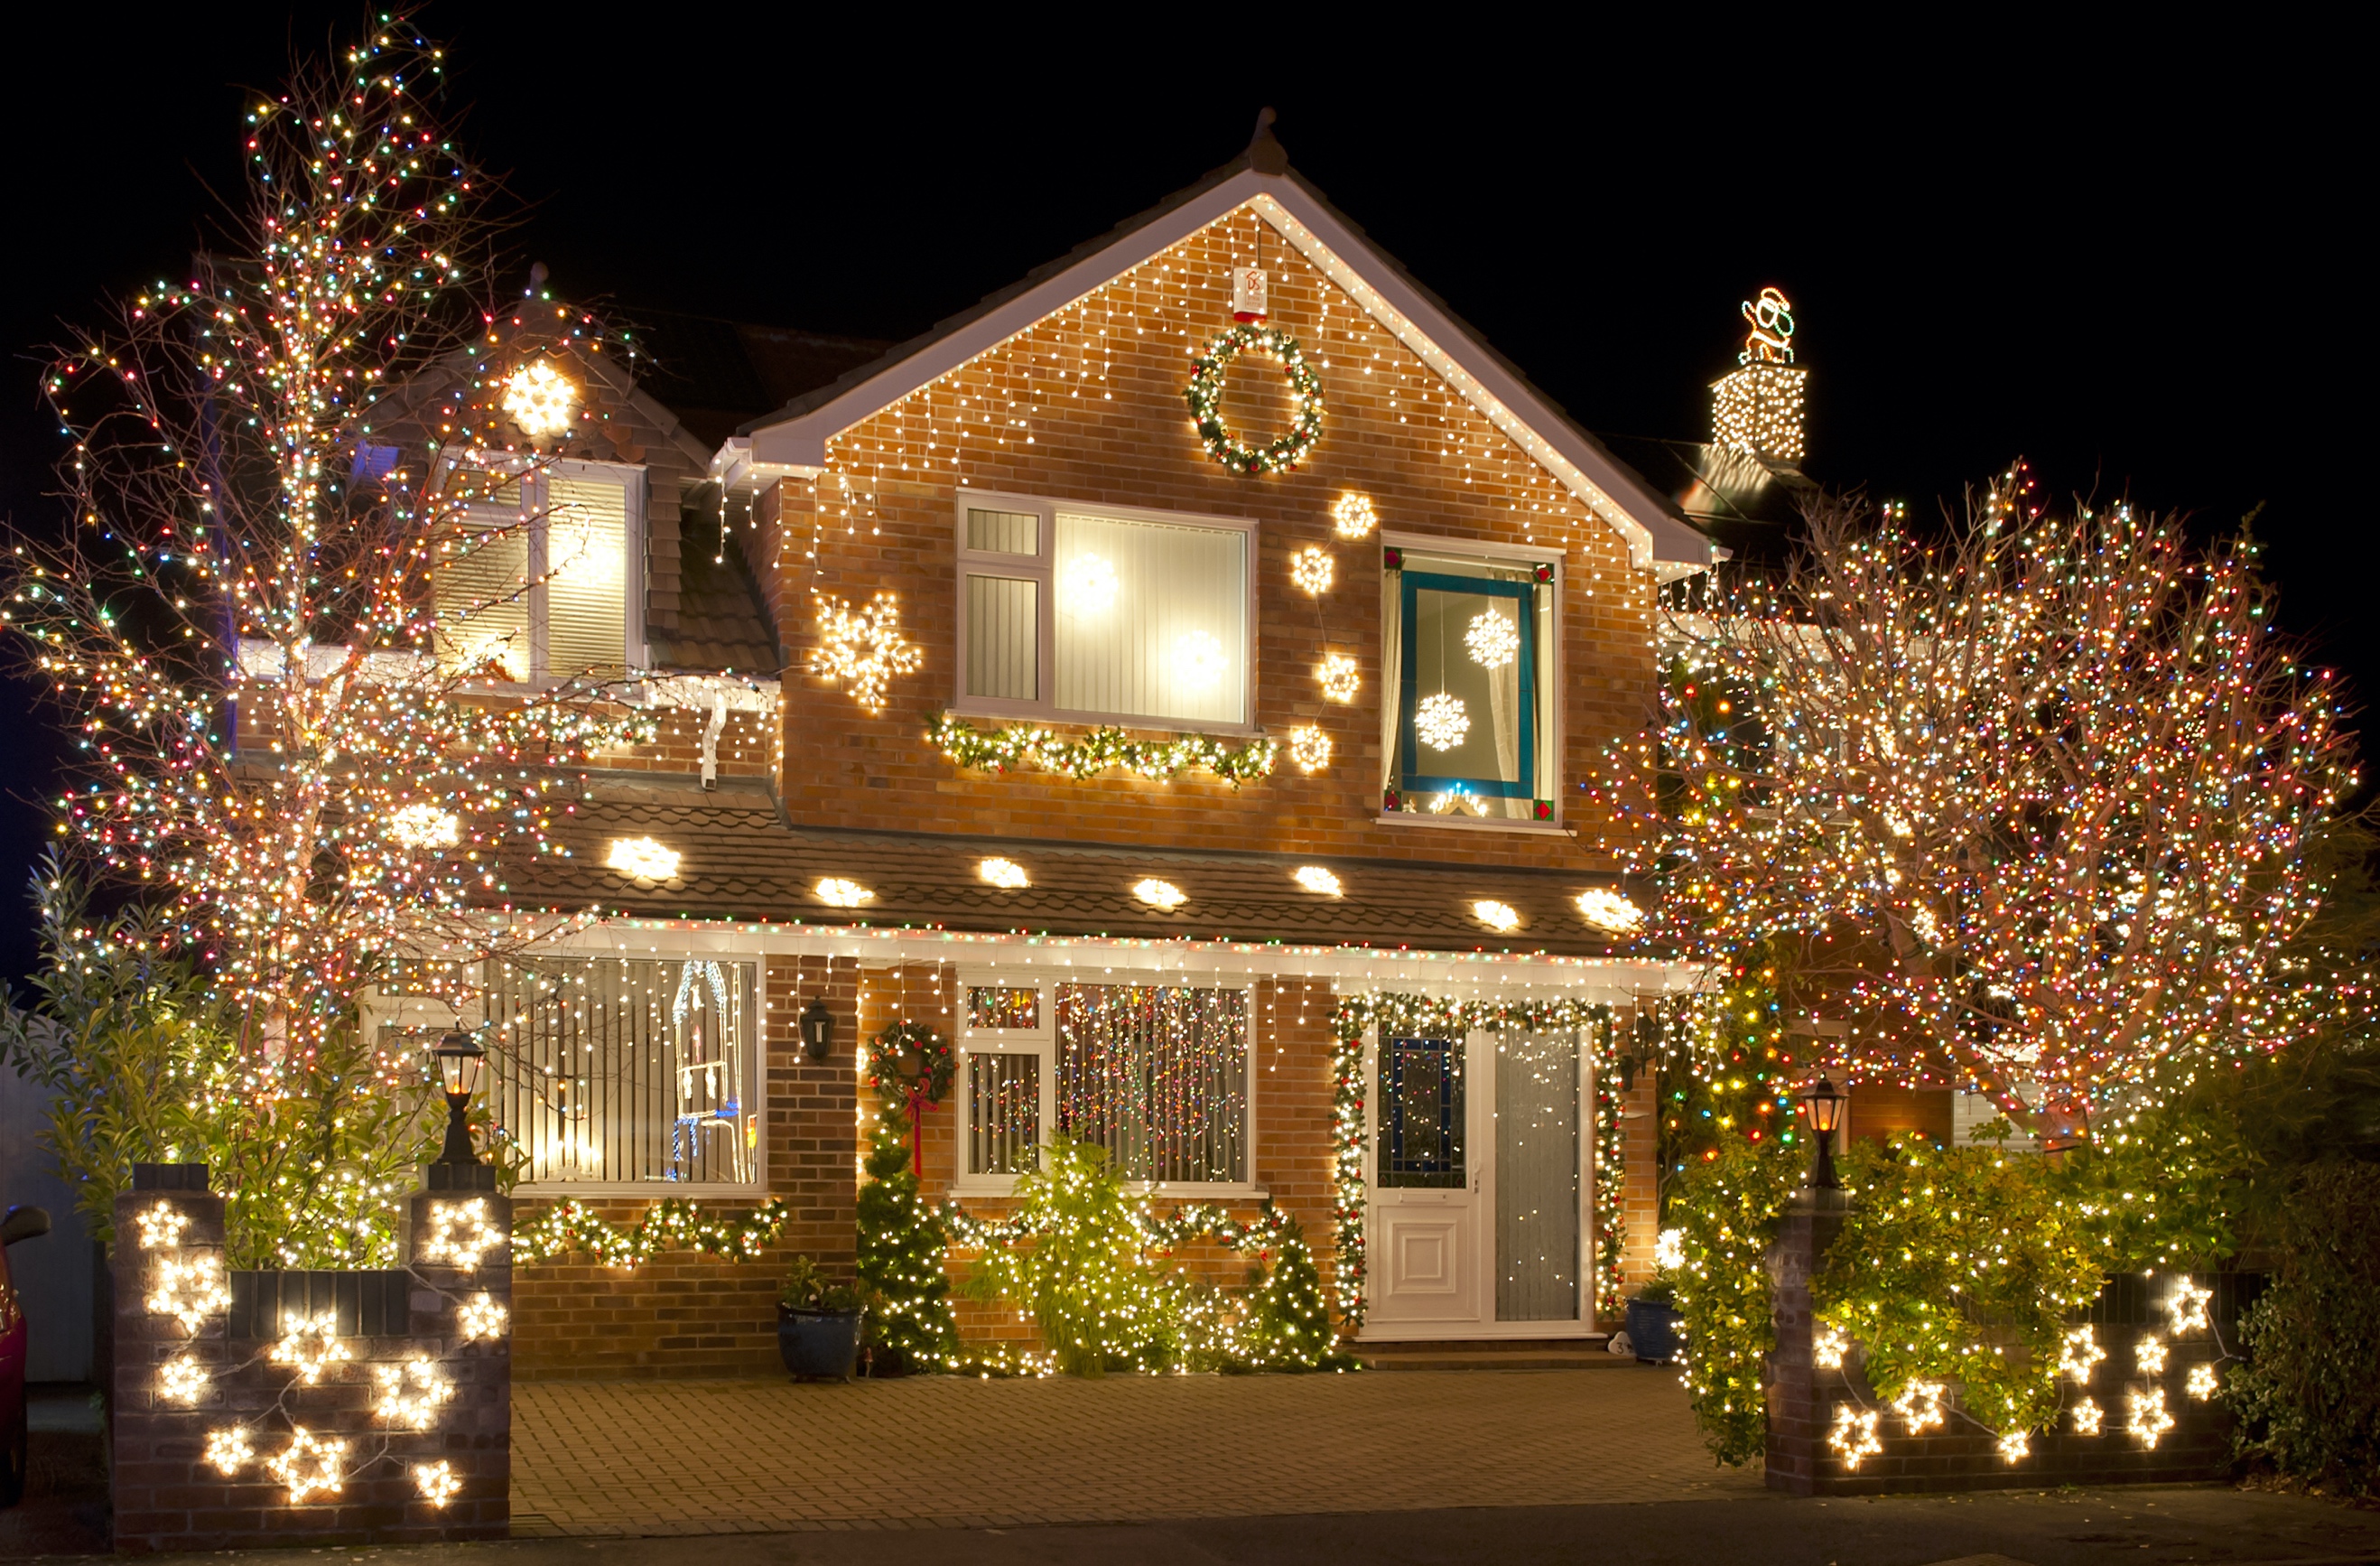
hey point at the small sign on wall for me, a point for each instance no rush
(1247, 293)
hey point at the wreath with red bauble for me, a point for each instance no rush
(909, 1061)
(1205, 395)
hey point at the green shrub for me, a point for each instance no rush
(1078, 1261)
(1724, 1207)
(2308, 1396)
(901, 1238)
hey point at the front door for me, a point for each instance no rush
(1478, 1190)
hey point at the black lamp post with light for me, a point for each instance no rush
(460, 1060)
(1823, 1102)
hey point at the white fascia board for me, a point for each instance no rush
(1607, 490)
(734, 470)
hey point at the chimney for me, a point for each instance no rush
(1757, 408)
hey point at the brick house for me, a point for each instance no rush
(1311, 745)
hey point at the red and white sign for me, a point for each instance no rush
(1247, 293)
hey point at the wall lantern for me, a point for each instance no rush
(1824, 1104)
(818, 1029)
(460, 1060)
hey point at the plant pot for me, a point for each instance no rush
(818, 1343)
(1652, 1330)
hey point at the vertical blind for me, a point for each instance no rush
(1004, 633)
(627, 1072)
(1158, 1075)
(1003, 1112)
(1151, 619)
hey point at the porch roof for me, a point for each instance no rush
(740, 859)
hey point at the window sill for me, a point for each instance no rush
(1005, 717)
(1005, 1185)
(1469, 823)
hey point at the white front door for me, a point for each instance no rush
(1478, 1215)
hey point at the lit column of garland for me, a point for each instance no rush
(1100, 750)
(674, 1224)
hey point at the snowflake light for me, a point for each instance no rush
(1159, 894)
(2087, 1417)
(228, 1451)
(642, 858)
(1340, 675)
(1352, 516)
(837, 893)
(1492, 640)
(1499, 916)
(437, 1481)
(1440, 722)
(182, 1379)
(2201, 1382)
(539, 398)
(1309, 748)
(2186, 1307)
(309, 1345)
(2079, 1355)
(1670, 1248)
(1608, 911)
(1090, 586)
(1311, 569)
(2015, 1446)
(1200, 660)
(1854, 1437)
(190, 1290)
(1006, 874)
(2146, 1420)
(309, 1466)
(863, 648)
(480, 1316)
(2149, 1355)
(411, 1394)
(460, 1233)
(162, 1226)
(1920, 1405)
(423, 825)
(1316, 880)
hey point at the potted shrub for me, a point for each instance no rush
(818, 1323)
(1653, 1318)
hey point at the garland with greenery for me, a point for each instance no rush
(672, 1224)
(1205, 395)
(883, 1074)
(1722, 1211)
(1100, 750)
(1426, 1016)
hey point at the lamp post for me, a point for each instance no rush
(460, 1060)
(1824, 1104)
(818, 1029)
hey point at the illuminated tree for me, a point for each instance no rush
(2030, 803)
(280, 721)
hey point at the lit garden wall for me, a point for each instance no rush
(286, 1408)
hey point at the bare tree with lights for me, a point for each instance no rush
(2032, 804)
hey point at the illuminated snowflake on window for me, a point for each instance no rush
(1200, 660)
(1311, 569)
(1090, 584)
(1492, 640)
(1440, 722)
(1309, 748)
(1341, 677)
(863, 648)
(539, 398)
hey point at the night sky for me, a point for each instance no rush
(2128, 263)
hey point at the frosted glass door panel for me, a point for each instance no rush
(1151, 620)
(1537, 1177)
(585, 555)
(1004, 633)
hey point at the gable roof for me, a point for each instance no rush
(794, 438)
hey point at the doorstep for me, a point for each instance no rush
(1514, 1354)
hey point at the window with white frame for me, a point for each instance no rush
(1100, 613)
(626, 1071)
(1158, 1075)
(542, 580)
(1470, 720)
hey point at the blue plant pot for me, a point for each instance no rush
(818, 1343)
(1653, 1331)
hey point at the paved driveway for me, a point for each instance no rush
(718, 1457)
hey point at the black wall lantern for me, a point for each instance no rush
(460, 1060)
(818, 1029)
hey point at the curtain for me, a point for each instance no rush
(1392, 608)
(1151, 619)
(1538, 1235)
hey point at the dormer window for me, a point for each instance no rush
(534, 585)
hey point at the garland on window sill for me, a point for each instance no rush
(1100, 750)
(673, 1225)
(1424, 1017)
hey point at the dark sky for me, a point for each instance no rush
(2129, 262)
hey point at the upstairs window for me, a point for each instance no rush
(535, 580)
(1098, 615)
(1469, 717)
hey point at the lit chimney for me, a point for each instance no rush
(1757, 410)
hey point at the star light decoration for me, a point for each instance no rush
(1492, 639)
(182, 1379)
(309, 1465)
(229, 1449)
(190, 1289)
(863, 648)
(161, 1226)
(1670, 1250)
(2146, 1420)
(309, 1345)
(541, 399)
(1309, 748)
(1340, 675)
(2014, 1447)
(437, 1482)
(1353, 516)
(1311, 569)
(1827, 1350)
(2149, 1355)
(2080, 1355)
(1920, 1405)
(480, 1317)
(1853, 1437)
(2200, 1384)
(2185, 1307)
(411, 1394)
(461, 1233)
(1440, 722)
(2087, 1417)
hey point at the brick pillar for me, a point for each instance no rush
(1801, 1395)
(164, 1499)
(473, 1434)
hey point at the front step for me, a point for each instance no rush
(1517, 1353)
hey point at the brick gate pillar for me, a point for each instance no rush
(1799, 1391)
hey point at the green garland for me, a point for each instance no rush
(674, 1224)
(1205, 395)
(1098, 750)
(1424, 1016)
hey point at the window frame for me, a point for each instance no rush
(635, 482)
(1039, 569)
(1042, 1043)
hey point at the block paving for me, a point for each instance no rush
(610, 1458)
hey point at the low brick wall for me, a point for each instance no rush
(385, 1418)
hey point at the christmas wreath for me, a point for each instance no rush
(910, 1061)
(1206, 399)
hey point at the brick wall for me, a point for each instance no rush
(1640, 1193)
(1089, 405)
